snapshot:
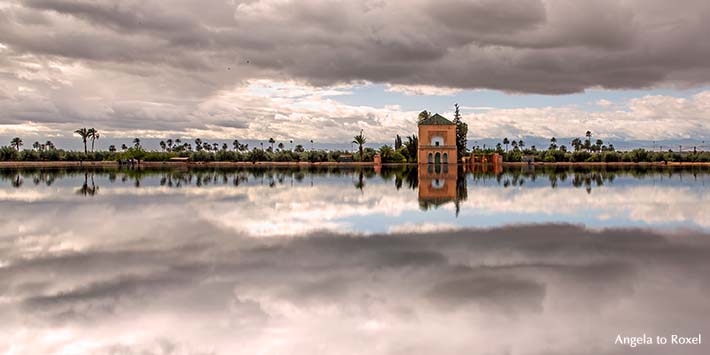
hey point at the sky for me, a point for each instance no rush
(629, 71)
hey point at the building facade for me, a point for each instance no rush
(437, 141)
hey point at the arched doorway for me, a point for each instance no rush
(446, 158)
(437, 158)
(431, 158)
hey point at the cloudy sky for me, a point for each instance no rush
(323, 70)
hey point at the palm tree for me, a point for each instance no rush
(291, 141)
(36, 145)
(162, 145)
(280, 146)
(311, 144)
(84, 134)
(577, 144)
(124, 146)
(112, 148)
(386, 152)
(49, 145)
(236, 144)
(225, 146)
(272, 141)
(506, 142)
(424, 115)
(360, 140)
(93, 135)
(16, 142)
(553, 143)
(136, 142)
(169, 143)
(588, 142)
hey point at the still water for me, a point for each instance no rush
(353, 261)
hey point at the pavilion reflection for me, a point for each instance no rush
(440, 184)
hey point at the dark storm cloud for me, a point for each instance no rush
(528, 46)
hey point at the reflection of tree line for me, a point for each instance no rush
(401, 176)
(88, 188)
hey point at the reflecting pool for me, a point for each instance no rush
(312, 260)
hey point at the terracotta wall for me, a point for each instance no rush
(448, 132)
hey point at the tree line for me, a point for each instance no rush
(404, 150)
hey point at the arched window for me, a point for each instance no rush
(437, 158)
(446, 158)
(431, 158)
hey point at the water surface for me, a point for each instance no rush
(351, 261)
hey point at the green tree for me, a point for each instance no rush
(424, 115)
(93, 135)
(84, 134)
(360, 140)
(16, 142)
(236, 144)
(162, 145)
(577, 144)
(397, 142)
(136, 142)
(272, 141)
(112, 148)
(461, 133)
(386, 152)
(36, 145)
(506, 142)
(412, 146)
(553, 143)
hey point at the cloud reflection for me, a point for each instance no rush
(298, 202)
(194, 287)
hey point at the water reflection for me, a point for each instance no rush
(342, 196)
(160, 261)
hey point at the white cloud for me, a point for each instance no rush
(643, 118)
(422, 90)
(604, 103)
